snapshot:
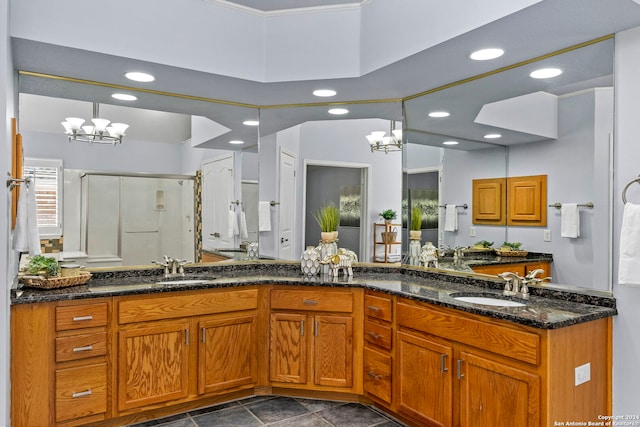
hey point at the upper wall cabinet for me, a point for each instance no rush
(489, 201)
(527, 200)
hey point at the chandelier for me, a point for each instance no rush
(379, 142)
(102, 131)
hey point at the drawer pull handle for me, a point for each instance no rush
(374, 308)
(310, 302)
(302, 328)
(374, 335)
(443, 367)
(374, 375)
(82, 393)
(81, 318)
(85, 348)
(460, 374)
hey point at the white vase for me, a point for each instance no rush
(310, 261)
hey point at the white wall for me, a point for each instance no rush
(626, 343)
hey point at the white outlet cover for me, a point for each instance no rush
(547, 235)
(583, 374)
(472, 232)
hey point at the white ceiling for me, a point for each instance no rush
(545, 27)
(279, 5)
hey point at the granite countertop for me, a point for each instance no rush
(548, 307)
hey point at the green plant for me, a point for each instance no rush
(39, 263)
(327, 217)
(416, 218)
(485, 244)
(388, 214)
(513, 245)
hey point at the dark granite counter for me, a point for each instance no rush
(548, 307)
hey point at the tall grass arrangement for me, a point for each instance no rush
(416, 218)
(327, 217)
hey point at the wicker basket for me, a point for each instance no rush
(511, 253)
(389, 236)
(43, 282)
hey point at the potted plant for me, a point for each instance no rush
(510, 246)
(388, 215)
(328, 218)
(483, 244)
(416, 222)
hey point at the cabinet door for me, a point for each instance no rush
(153, 364)
(227, 356)
(424, 380)
(527, 200)
(333, 351)
(493, 394)
(288, 348)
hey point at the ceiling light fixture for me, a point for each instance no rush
(545, 73)
(324, 92)
(124, 97)
(379, 142)
(137, 76)
(486, 54)
(236, 142)
(99, 133)
(338, 111)
(439, 114)
(251, 123)
(493, 135)
(450, 143)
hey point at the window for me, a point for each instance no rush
(46, 175)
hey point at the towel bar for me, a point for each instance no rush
(624, 192)
(558, 205)
(465, 206)
(14, 182)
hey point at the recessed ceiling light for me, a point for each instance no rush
(139, 77)
(450, 143)
(546, 73)
(338, 111)
(251, 123)
(324, 92)
(439, 114)
(493, 135)
(124, 96)
(236, 142)
(486, 54)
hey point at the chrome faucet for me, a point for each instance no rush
(172, 266)
(516, 285)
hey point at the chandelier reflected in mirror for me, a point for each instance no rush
(102, 131)
(379, 141)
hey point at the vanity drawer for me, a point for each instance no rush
(81, 316)
(312, 300)
(378, 307)
(377, 334)
(81, 346)
(377, 374)
(81, 392)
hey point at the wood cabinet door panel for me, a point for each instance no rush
(527, 200)
(81, 392)
(377, 374)
(288, 349)
(153, 364)
(227, 356)
(424, 379)
(312, 300)
(493, 394)
(333, 350)
(489, 201)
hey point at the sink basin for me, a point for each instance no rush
(496, 302)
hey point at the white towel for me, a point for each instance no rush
(629, 264)
(570, 222)
(264, 216)
(25, 236)
(450, 218)
(232, 224)
(243, 225)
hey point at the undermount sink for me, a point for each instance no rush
(496, 302)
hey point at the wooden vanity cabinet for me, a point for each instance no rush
(378, 346)
(312, 338)
(521, 269)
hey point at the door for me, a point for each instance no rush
(333, 351)
(141, 240)
(227, 356)
(288, 348)
(493, 394)
(287, 211)
(424, 380)
(217, 194)
(153, 364)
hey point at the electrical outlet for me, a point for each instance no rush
(472, 232)
(547, 235)
(583, 374)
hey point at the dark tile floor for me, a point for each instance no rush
(279, 412)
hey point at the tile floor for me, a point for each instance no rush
(278, 411)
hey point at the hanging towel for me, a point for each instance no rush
(264, 216)
(25, 236)
(570, 222)
(232, 224)
(243, 225)
(629, 264)
(450, 218)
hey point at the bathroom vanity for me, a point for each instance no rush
(133, 345)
